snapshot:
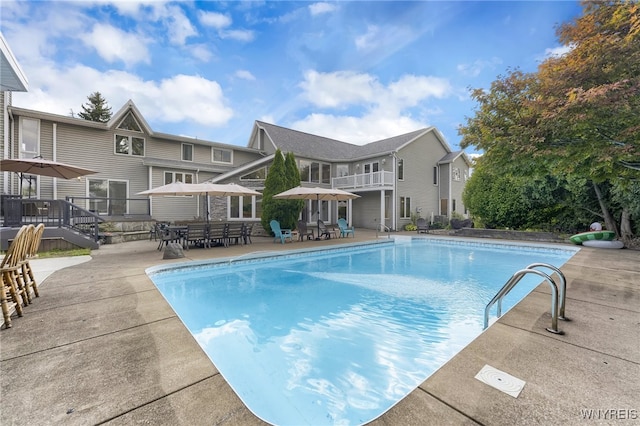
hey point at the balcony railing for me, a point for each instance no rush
(365, 180)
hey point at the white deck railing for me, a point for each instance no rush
(365, 180)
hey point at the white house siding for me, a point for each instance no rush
(420, 157)
(366, 210)
(444, 180)
(457, 187)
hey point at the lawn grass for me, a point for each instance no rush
(64, 253)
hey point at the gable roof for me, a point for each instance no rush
(452, 156)
(307, 145)
(12, 78)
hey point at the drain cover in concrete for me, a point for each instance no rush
(500, 380)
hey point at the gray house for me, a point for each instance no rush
(415, 174)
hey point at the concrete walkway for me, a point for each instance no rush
(101, 345)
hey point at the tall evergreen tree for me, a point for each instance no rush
(96, 109)
(292, 174)
(275, 183)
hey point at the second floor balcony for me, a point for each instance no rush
(364, 180)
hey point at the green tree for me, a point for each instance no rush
(292, 173)
(96, 109)
(284, 211)
(577, 117)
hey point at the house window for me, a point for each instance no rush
(466, 175)
(342, 170)
(453, 205)
(314, 172)
(435, 175)
(245, 207)
(129, 123)
(456, 173)
(29, 138)
(260, 174)
(187, 152)
(221, 155)
(400, 169)
(171, 177)
(108, 197)
(405, 207)
(129, 145)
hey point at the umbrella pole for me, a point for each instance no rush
(318, 216)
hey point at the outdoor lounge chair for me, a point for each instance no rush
(303, 231)
(422, 225)
(280, 234)
(345, 229)
(326, 232)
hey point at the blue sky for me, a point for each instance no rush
(356, 71)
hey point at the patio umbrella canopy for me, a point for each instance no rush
(206, 189)
(316, 193)
(42, 167)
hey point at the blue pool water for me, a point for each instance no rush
(340, 336)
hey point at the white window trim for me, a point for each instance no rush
(30, 154)
(182, 146)
(213, 150)
(130, 153)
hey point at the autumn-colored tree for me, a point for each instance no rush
(96, 109)
(578, 116)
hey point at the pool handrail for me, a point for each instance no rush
(511, 283)
(562, 288)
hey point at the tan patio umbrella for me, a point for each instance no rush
(42, 167)
(316, 193)
(206, 189)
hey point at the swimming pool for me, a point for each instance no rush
(339, 336)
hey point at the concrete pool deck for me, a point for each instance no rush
(101, 346)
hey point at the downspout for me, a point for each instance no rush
(55, 158)
(150, 178)
(449, 201)
(5, 132)
(394, 196)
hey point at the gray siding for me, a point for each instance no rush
(420, 157)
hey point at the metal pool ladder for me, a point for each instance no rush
(557, 312)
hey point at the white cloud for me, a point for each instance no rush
(367, 40)
(113, 44)
(357, 130)
(181, 98)
(339, 88)
(245, 75)
(474, 69)
(386, 108)
(321, 8)
(214, 20)
(179, 26)
(557, 52)
(201, 52)
(240, 35)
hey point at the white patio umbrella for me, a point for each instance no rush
(316, 193)
(206, 189)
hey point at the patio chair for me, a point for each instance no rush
(326, 232)
(246, 233)
(196, 234)
(217, 234)
(303, 231)
(13, 292)
(422, 225)
(345, 229)
(279, 233)
(235, 233)
(27, 272)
